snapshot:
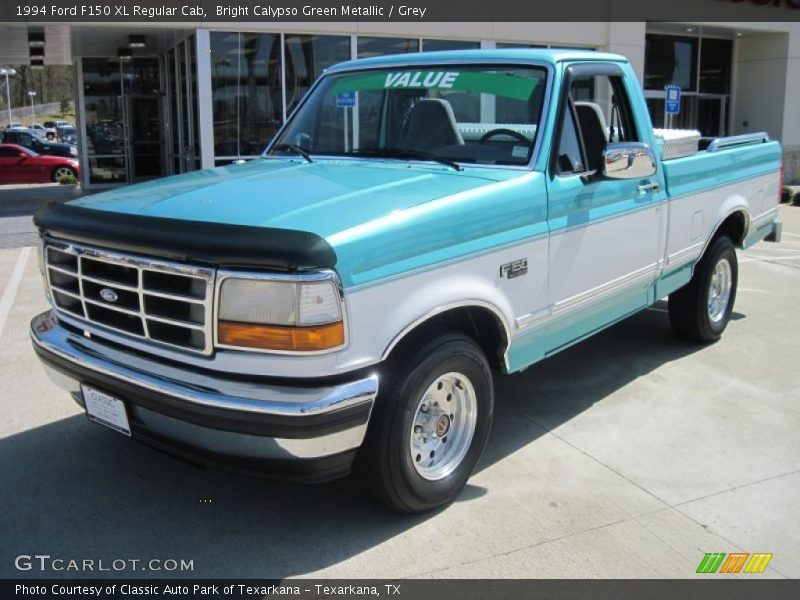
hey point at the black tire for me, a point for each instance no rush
(688, 307)
(384, 462)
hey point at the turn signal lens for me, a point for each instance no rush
(276, 337)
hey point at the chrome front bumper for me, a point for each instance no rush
(304, 431)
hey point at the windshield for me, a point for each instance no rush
(466, 114)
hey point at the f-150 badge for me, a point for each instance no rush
(514, 269)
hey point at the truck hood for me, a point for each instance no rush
(324, 197)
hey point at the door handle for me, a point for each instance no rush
(649, 188)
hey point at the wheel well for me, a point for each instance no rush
(734, 227)
(479, 323)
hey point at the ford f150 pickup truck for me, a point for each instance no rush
(418, 223)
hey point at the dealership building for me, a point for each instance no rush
(158, 99)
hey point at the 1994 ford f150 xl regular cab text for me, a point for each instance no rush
(418, 223)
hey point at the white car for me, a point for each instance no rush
(44, 132)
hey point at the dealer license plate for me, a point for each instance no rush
(106, 410)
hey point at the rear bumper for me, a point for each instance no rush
(304, 431)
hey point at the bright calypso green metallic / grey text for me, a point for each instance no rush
(277, 12)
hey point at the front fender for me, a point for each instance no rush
(383, 314)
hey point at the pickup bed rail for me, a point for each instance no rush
(731, 141)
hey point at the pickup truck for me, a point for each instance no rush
(420, 223)
(30, 139)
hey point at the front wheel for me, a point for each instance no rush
(430, 424)
(62, 174)
(700, 311)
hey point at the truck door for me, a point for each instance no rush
(604, 233)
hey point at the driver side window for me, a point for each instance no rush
(597, 113)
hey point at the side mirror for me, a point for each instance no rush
(628, 160)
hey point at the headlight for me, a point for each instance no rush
(266, 314)
(73, 151)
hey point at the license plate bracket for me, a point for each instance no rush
(106, 409)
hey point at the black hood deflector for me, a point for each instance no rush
(216, 244)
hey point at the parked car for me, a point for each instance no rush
(68, 135)
(22, 165)
(15, 126)
(29, 139)
(420, 221)
(53, 126)
(48, 133)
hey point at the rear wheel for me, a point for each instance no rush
(700, 311)
(430, 424)
(61, 174)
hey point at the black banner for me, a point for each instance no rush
(236, 11)
(416, 589)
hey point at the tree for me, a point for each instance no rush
(54, 83)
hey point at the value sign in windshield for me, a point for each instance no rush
(453, 114)
(506, 85)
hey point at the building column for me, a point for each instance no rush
(205, 115)
(628, 40)
(791, 119)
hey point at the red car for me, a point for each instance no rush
(21, 165)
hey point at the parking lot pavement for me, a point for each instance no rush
(630, 455)
(18, 203)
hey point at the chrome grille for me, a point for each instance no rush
(168, 303)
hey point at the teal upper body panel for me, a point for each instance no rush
(706, 170)
(324, 197)
(381, 216)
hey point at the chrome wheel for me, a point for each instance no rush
(443, 426)
(719, 291)
(63, 173)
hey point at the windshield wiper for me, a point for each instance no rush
(291, 148)
(406, 153)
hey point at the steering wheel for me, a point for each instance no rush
(502, 131)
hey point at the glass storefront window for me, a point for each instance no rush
(377, 46)
(306, 57)
(103, 119)
(247, 97)
(438, 45)
(107, 169)
(670, 60)
(702, 67)
(716, 56)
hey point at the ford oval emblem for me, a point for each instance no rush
(109, 295)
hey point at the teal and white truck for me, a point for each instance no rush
(419, 223)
